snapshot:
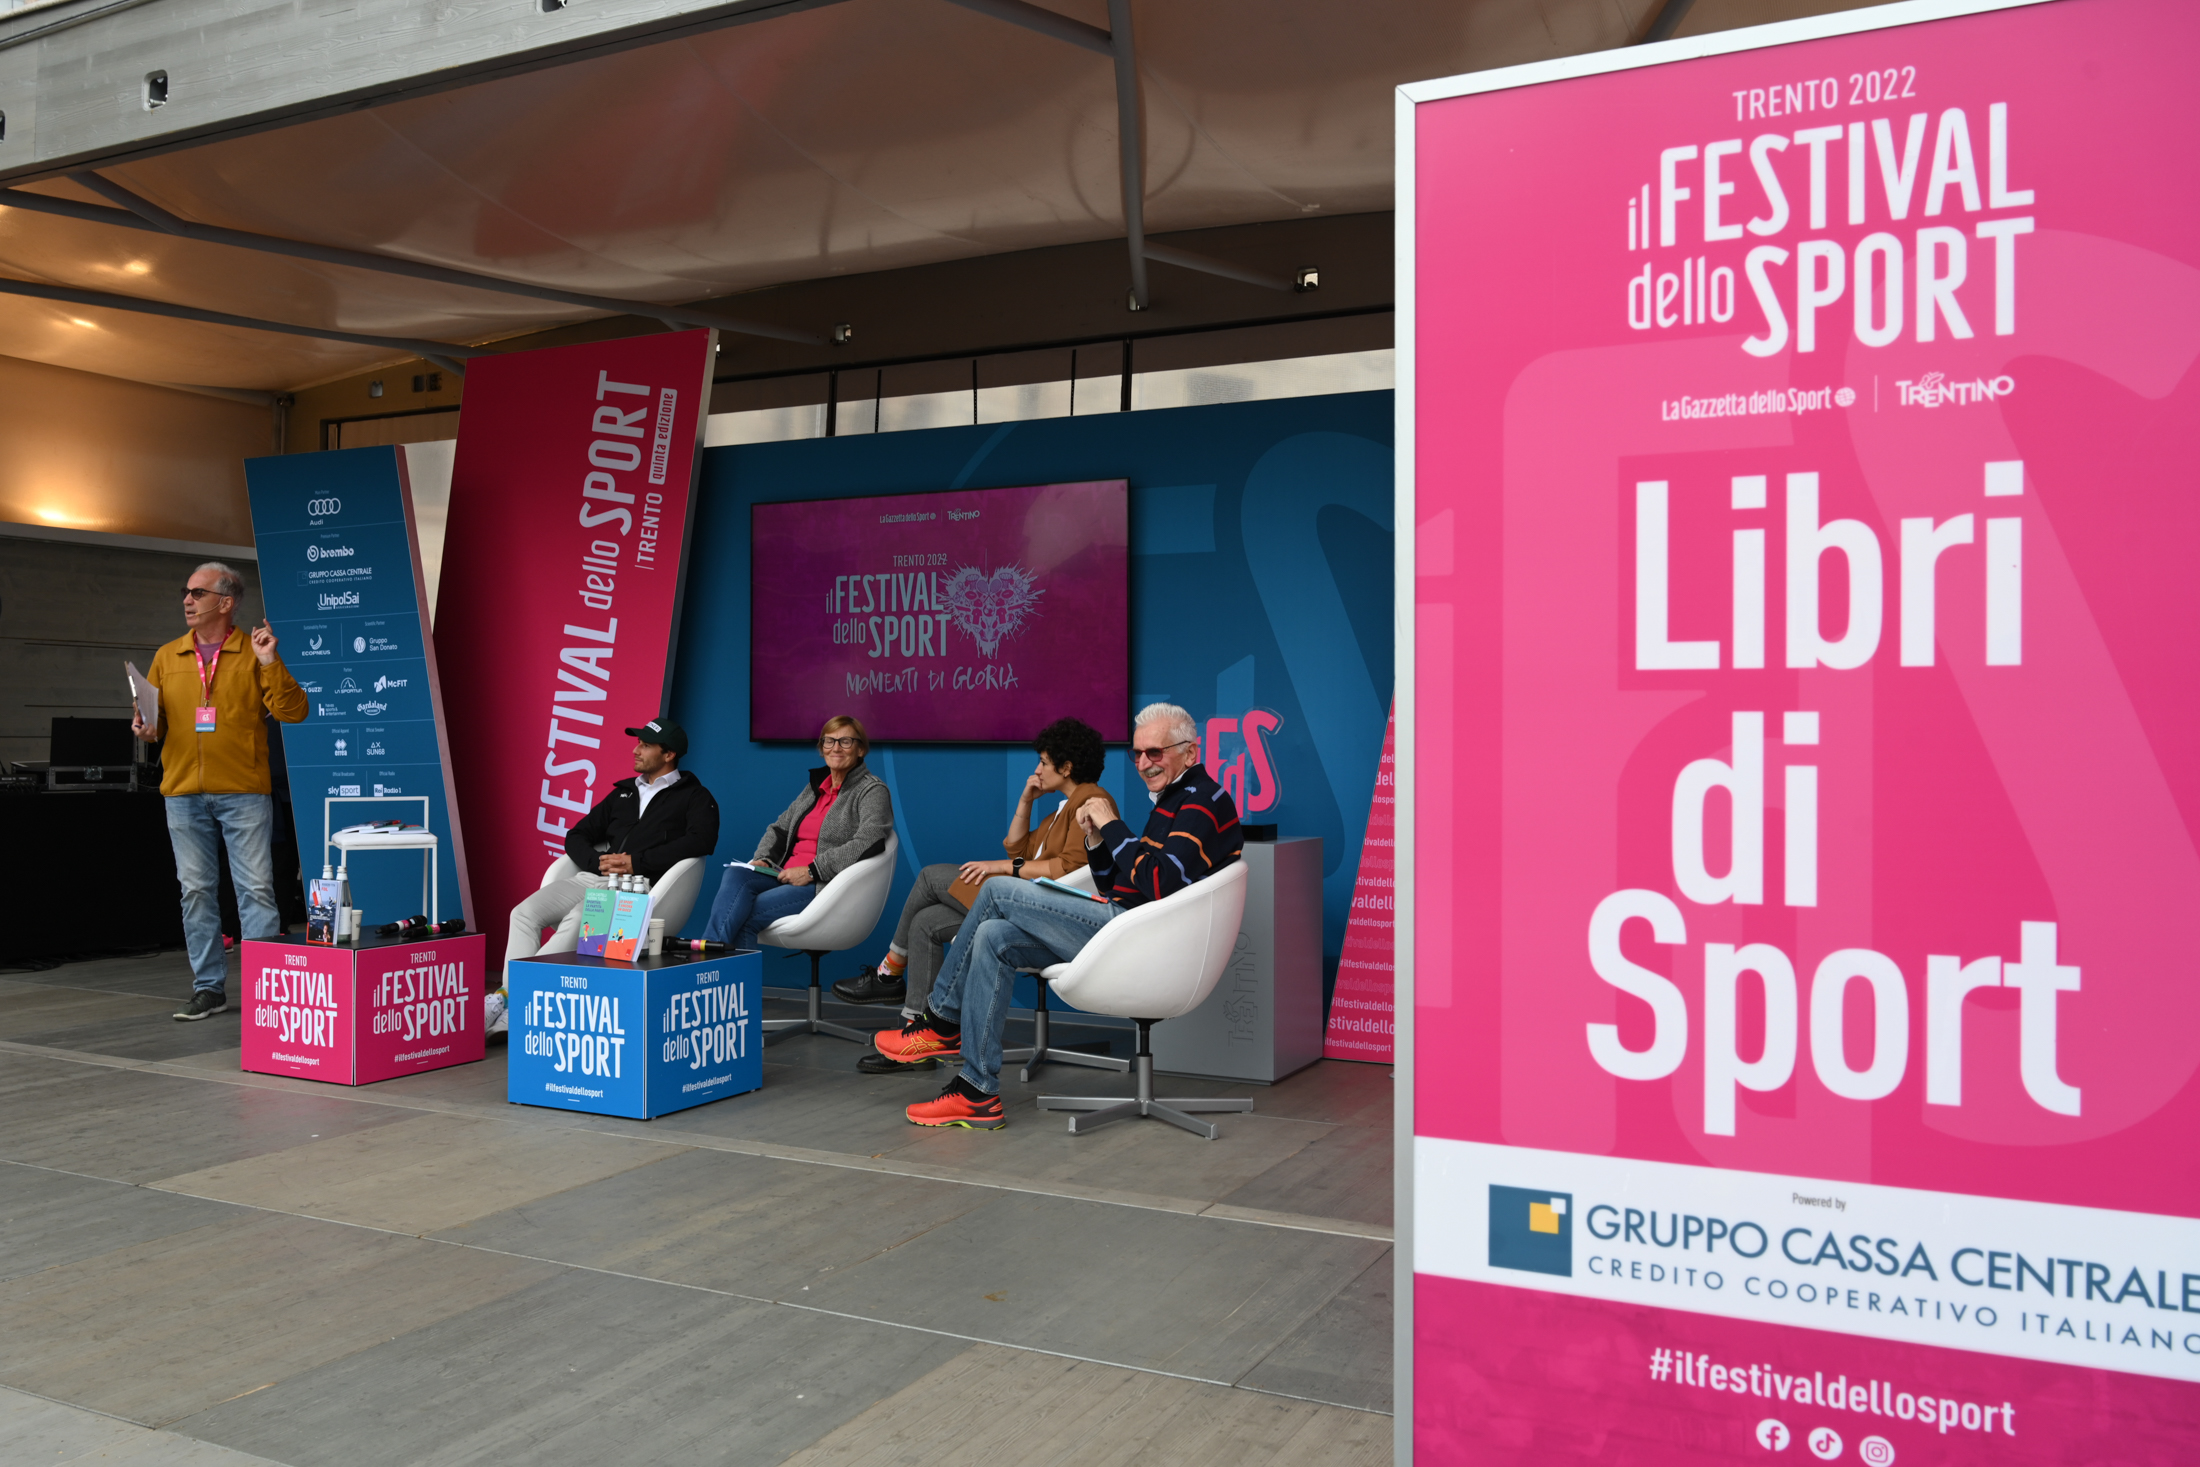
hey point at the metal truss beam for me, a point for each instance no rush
(73, 79)
(137, 213)
(443, 354)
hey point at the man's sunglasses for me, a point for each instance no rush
(193, 593)
(1153, 755)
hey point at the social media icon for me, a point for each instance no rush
(1876, 1451)
(1772, 1434)
(1825, 1444)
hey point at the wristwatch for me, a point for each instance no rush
(1016, 867)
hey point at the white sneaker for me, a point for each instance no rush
(499, 1013)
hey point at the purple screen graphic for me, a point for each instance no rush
(967, 615)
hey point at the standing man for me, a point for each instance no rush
(217, 687)
(644, 827)
(1191, 834)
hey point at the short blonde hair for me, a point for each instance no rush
(843, 720)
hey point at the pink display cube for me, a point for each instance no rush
(357, 1013)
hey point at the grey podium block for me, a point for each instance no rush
(1264, 1019)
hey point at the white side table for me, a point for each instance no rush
(422, 840)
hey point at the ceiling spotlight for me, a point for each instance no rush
(1308, 279)
(843, 334)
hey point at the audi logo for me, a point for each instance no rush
(324, 506)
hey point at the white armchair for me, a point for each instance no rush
(1154, 962)
(671, 896)
(1039, 1052)
(841, 916)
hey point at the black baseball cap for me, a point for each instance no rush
(664, 733)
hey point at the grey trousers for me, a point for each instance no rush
(929, 921)
(556, 905)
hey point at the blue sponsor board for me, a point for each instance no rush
(638, 1039)
(338, 572)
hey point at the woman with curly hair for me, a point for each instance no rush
(1070, 760)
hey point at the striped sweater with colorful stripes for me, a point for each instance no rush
(1192, 833)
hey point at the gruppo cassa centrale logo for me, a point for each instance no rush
(1533, 1231)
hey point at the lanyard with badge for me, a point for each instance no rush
(208, 667)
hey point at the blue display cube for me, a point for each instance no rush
(639, 1039)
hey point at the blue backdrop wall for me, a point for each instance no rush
(1260, 585)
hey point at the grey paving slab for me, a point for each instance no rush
(164, 1328)
(425, 1172)
(584, 1368)
(1339, 1092)
(41, 1431)
(152, 1035)
(23, 1073)
(31, 1008)
(161, 975)
(1152, 1290)
(134, 1126)
(49, 1218)
(1342, 1354)
(746, 1224)
(992, 1405)
(1345, 1173)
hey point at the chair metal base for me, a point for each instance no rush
(1094, 1111)
(1037, 1052)
(811, 1023)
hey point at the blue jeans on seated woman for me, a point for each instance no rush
(750, 901)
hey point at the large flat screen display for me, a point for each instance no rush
(968, 615)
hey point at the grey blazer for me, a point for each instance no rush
(855, 828)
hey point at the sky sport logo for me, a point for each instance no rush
(1532, 1231)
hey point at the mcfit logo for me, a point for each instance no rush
(1532, 1231)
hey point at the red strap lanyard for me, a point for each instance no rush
(208, 667)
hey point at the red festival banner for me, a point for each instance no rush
(1805, 1031)
(1362, 1009)
(563, 563)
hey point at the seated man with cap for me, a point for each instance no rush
(645, 826)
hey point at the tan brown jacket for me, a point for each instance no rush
(1057, 841)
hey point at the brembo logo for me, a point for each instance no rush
(330, 552)
(324, 506)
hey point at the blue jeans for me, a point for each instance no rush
(748, 902)
(196, 824)
(1014, 925)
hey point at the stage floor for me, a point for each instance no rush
(208, 1267)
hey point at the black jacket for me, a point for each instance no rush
(682, 821)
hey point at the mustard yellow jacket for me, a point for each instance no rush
(233, 758)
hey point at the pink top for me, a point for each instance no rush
(805, 834)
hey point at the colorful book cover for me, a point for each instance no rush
(629, 925)
(322, 898)
(596, 909)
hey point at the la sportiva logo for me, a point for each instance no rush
(1532, 1231)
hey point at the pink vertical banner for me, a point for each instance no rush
(562, 573)
(1363, 1007)
(1805, 1026)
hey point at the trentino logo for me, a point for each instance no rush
(1532, 1231)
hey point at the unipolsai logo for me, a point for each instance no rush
(337, 600)
(1532, 1231)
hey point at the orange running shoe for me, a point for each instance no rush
(917, 1040)
(960, 1104)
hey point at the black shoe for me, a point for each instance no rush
(879, 1064)
(204, 1004)
(870, 986)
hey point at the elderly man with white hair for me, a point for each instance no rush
(1191, 834)
(218, 685)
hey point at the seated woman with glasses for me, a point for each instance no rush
(1071, 757)
(843, 816)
